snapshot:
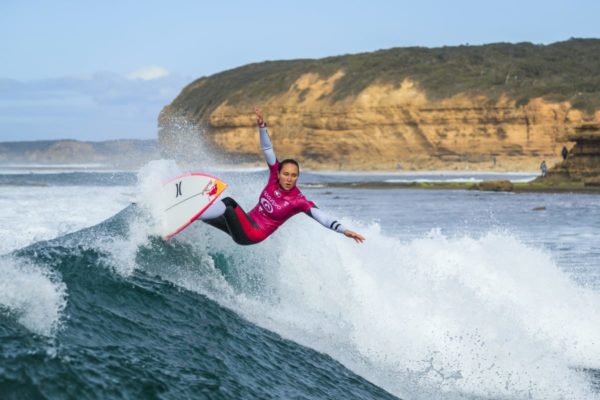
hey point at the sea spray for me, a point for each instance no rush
(28, 215)
(186, 141)
(488, 316)
(435, 317)
(151, 178)
(35, 297)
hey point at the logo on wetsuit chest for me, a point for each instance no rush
(267, 203)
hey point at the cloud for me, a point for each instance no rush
(148, 73)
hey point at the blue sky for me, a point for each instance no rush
(103, 70)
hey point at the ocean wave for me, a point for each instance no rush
(130, 319)
(435, 317)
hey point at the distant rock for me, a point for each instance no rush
(583, 160)
(126, 153)
(592, 182)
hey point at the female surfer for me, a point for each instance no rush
(279, 200)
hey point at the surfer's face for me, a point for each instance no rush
(288, 176)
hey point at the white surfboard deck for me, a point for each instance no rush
(185, 198)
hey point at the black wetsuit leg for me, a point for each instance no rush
(230, 223)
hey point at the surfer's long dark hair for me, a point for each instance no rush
(288, 161)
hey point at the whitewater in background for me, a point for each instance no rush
(454, 295)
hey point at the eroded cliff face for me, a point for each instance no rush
(388, 128)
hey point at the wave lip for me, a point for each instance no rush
(34, 297)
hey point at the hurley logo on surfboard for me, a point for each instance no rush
(179, 210)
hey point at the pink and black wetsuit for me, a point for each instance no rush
(275, 206)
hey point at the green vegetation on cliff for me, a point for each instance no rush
(563, 71)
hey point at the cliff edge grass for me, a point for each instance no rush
(562, 71)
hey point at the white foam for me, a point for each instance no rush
(435, 317)
(486, 317)
(35, 297)
(121, 252)
(151, 178)
(31, 214)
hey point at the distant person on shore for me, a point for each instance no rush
(543, 168)
(564, 152)
(279, 200)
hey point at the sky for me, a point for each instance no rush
(103, 70)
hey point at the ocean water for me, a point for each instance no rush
(454, 294)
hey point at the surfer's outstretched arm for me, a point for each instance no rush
(329, 223)
(265, 140)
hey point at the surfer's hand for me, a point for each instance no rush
(259, 116)
(353, 235)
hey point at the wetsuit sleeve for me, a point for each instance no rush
(265, 145)
(325, 220)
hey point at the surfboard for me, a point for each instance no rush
(184, 198)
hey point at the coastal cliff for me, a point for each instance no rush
(493, 107)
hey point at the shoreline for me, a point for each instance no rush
(16, 165)
(514, 187)
(502, 184)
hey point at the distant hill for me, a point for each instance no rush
(499, 106)
(126, 153)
